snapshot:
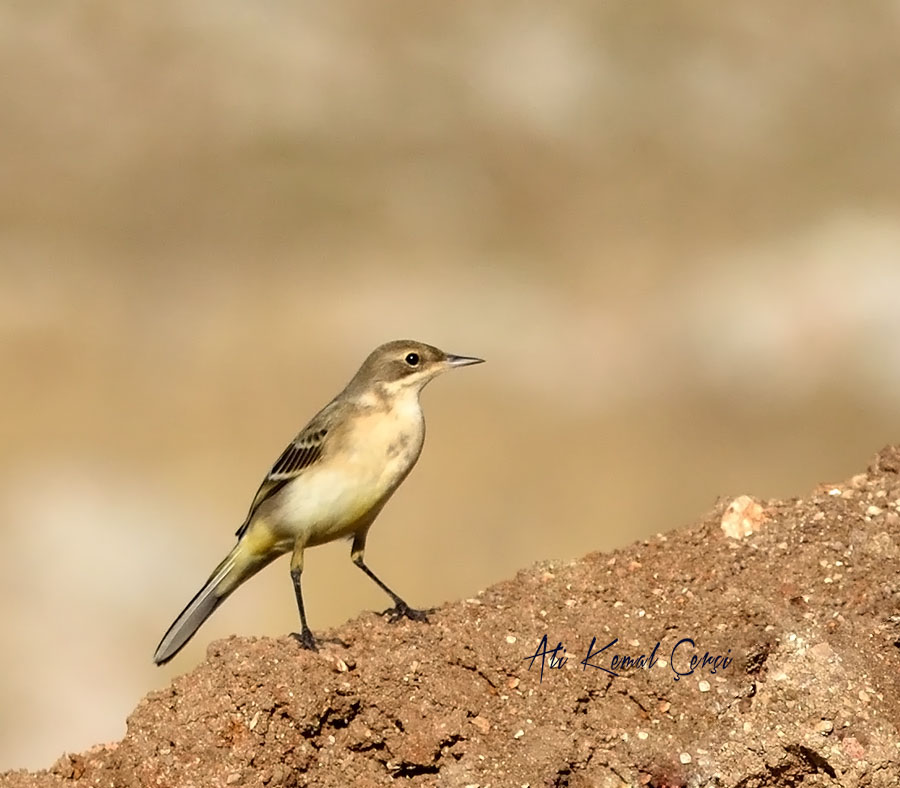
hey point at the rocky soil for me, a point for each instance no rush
(799, 601)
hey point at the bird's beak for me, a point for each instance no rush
(462, 361)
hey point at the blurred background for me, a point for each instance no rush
(672, 230)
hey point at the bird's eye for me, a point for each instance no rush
(412, 359)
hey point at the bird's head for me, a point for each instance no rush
(405, 365)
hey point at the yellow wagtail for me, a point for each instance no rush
(330, 482)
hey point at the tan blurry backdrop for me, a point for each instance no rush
(671, 230)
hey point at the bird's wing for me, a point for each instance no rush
(301, 453)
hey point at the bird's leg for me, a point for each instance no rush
(400, 609)
(305, 636)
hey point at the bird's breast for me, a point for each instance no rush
(349, 485)
(385, 445)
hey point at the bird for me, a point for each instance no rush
(331, 482)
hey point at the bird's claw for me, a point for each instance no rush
(402, 610)
(305, 639)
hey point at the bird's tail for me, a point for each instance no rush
(238, 566)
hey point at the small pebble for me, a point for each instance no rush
(481, 723)
(743, 517)
(703, 686)
(685, 757)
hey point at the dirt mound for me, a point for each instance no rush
(792, 624)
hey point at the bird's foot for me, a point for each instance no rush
(402, 610)
(305, 639)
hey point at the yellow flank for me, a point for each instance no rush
(260, 541)
(352, 520)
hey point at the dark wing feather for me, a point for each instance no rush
(300, 454)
